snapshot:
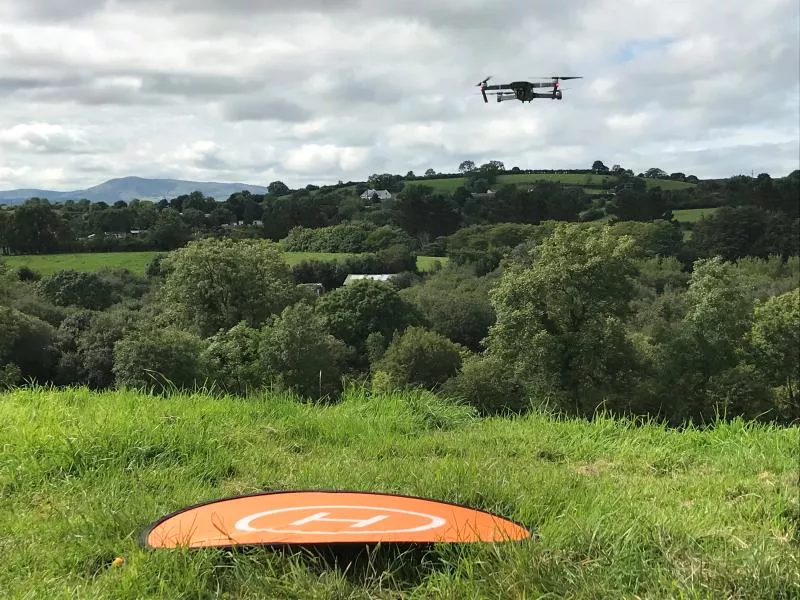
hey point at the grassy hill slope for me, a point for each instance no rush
(621, 511)
(574, 179)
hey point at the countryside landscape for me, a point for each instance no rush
(609, 358)
(399, 300)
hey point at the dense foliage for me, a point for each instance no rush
(538, 305)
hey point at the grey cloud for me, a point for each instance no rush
(195, 84)
(55, 11)
(260, 108)
(461, 15)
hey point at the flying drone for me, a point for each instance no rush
(523, 90)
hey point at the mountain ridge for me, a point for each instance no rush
(132, 187)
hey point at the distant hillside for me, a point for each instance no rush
(591, 183)
(129, 188)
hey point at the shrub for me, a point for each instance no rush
(27, 342)
(487, 383)
(73, 288)
(420, 358)
(158, 359)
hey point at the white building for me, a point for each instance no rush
(381, 194)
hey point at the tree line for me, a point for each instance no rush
(423, 212)
(575, 317)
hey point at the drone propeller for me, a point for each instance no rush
(480, 83)
(557, 77)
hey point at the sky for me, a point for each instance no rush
(314, 91)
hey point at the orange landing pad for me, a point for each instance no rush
(327, 517)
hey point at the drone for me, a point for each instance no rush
(523, 90)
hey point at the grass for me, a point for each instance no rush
(136, 262)
(621, 511)
(450, 184)
(692, 215)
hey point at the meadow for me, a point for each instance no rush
(620, 510)
(576, 179)
(692, 215)
(136, 262)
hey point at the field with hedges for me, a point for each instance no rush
(576, 179)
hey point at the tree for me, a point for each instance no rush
(559, 320)
(466, 166)
(430, 173)
(169, 230)
(485, 383)
(73, 288)
(28, 343)
(456, 305)
(497, 165)
(295, 352)
(774, 339)
(213, 284)
(158, 359)
(655, 173)
(599, 167)
(278, 188)
(423, 210)
(419, 358)
(352, 312)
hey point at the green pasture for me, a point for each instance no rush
(136, 262)
(450, 184)
(692, 215)
(620, 511)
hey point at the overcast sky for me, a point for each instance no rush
(320, 90)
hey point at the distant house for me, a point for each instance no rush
(381, 194)
(357, 276)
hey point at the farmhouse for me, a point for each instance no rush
(381, 194)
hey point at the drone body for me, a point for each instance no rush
(523, 90)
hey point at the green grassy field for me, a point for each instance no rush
(449, 185)
(692, 215)
(620, 511)
(136, 262)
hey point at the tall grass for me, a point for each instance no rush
(621, 510)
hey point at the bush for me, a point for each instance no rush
(158, 359)
(330, 274)
(486, 383)
(73, 288)
(27, 274)
(296, 354)
(455, 304)
(420, 358)
(230, 360)
(27, 342)
(154, 268)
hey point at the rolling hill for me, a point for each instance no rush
(129, 188)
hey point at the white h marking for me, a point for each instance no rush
(433, 522)
(321, 517)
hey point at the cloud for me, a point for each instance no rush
(44, 137)
(313, 91)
